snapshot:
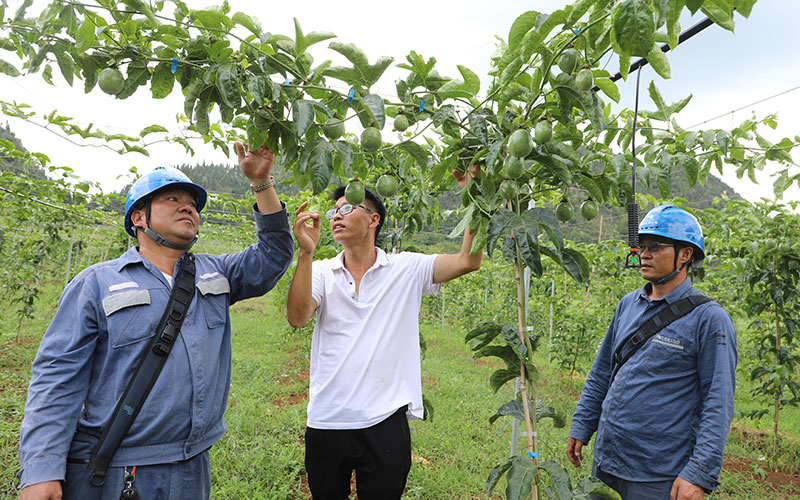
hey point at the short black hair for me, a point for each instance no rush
(373, 198)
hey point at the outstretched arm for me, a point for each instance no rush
(451, 266)
(299, 304)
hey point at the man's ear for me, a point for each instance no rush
(685, 254)
(138, 219)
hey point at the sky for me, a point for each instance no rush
(724, 72)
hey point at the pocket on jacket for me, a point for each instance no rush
(129, 316)
(215, 296)
(666, 355)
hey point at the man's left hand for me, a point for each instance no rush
(473, 172)
(684, 490)
(256, 164)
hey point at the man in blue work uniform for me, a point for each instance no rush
(662, 421)
(105, 319)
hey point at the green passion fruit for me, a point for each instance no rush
(371, 139)
(513, 168)
(568, 62)
(564, 211)
(401, 123)
(111, 81)
(333, 129)
(543, 131)
(387, 185)
(520, 143)
(584, 80)
(354, 192)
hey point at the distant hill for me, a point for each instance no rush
(14, 164)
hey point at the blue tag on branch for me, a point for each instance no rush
(533, 454)
(351, 95)
(174, 66)
(422, 105)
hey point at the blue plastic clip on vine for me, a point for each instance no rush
(174, 66)
(287, 82)
(533, 454)
(422, 105)
(351, 95)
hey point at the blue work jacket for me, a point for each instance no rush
(669, 409)
(105, 319)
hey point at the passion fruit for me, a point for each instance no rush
(543, 131)
(508, 189)
(564, 210)
(513, 168)
(371, 139)
(568, 62)
(520, 143)
(387, 185)
(589, 209)
(584, 80)
(354, 192)
(111, 81)
(333, 129)
(401, 123)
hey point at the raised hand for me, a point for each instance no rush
(256, 164)
(307, 235)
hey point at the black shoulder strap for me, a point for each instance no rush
(150, 365)
(652, 326)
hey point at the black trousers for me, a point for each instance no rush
(380, 455)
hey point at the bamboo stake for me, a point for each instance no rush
(777, 350)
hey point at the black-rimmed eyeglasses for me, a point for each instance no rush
(344, 210)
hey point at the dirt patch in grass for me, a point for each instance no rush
(782, 481)
(762, 442)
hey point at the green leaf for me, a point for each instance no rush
(694, 5)
(509, 409)
(500, 377)
(257, 88)
(559, 477)
(301, 42)
(501, 220)
(318, 161)
(608, 87)
(576, 265)
(579, 9)
(192, 92)
(534, 39)
(743, 7)
(504, 352)
(163, 81)
(719, 11)
(66, 66)
(674, 8)
(519, 479)
(478, 124)
(201, 121)
(658, 60)
(442, 114)
(345, 154)
(138, 74)
(545, 219)
(374, 104)
(85, 37)
(8, 69)
(489, 330)
(521, 25)
(467, 88)
(302, 116)
(496, 473)
(511, 336)
(633, 27)
(248, 22)
(417, 152)
(362, 73)
(152, 129)
(227, 83)
(211, 19)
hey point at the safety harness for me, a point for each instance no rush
(150, 365)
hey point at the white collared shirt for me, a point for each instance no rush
(365, 358)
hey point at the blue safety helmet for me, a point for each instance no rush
(159, 178)
(674, 223)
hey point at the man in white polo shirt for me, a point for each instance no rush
(365, 360)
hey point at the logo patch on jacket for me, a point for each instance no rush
(668, 341)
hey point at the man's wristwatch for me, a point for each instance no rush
(264, 185)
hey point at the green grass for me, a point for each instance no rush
(262, 454)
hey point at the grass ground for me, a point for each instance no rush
(261, 457)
